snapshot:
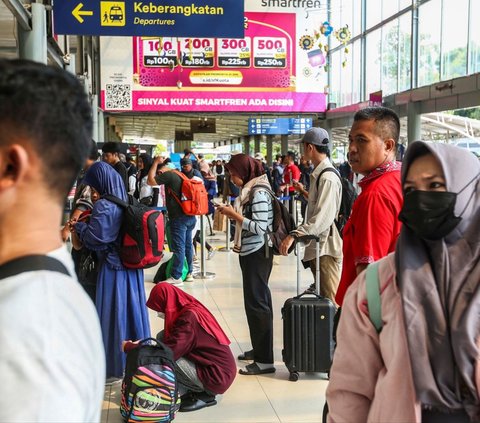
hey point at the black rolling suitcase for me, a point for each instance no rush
(308, 327)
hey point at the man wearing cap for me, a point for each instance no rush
(259, 156)
(324, 200)
(181, 225)
(189, 154)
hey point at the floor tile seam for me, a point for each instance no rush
(109, 402)
(268, 399)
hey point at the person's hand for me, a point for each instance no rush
(227, 210)
(65, 232)
(158, 160)
(285, 245)
(298, 186)
(71, 224)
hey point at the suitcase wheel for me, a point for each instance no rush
(293, 376)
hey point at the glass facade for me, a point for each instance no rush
(474, 56)
(429, 18)
(447, 44)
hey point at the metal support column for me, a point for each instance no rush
(256, 139)
(284, 141)
(33, 43)
(101, 127)
(414, 124)
(269, 158)
(327, 127)
(246, 146)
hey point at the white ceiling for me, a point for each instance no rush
(162, 126)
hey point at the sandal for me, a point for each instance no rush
(253, 369)
(246, 356)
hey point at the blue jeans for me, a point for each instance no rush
(181, 232)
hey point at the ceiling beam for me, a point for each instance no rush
(21, 14)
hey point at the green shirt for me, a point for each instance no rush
(172, 182)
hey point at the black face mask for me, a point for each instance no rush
(430, 214)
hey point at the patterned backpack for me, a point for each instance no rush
(149, 388)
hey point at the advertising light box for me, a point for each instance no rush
(269, 70)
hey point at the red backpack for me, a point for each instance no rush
(194, 199)
(142, 234)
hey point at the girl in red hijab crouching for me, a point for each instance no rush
(205, 365)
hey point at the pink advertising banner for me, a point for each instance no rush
(257, 73)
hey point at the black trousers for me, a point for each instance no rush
(256, 269)
(454, 416)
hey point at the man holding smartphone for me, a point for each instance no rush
(324, 200)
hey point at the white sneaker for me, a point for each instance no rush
(175, 282)
(189, 278)
(211, 253)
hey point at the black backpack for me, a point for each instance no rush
(149, 387)
(283, 222)
(349, 195)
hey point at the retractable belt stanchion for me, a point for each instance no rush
(227, 240)
(203, 274)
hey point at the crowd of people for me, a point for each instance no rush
(418, 219)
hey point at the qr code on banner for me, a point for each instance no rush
(118, 97)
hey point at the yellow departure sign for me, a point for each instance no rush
(78, 13)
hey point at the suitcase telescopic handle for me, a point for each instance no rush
(304, 239)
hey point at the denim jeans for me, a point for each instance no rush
(181, 233)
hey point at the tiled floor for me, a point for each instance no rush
(261, 399)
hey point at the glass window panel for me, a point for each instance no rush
(346, 76)
(336, 14)
(404, 3)
(474, 36)
(373, 62)
(335, 78)
(454, 38)
(356, 74)
(374, 12)
(404, 52)
(390, 7)
(357, 17)
(390, 57)
(346, 12)
(429, 20)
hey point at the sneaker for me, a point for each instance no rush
(211, 253)
(189, 278)
(175, 282)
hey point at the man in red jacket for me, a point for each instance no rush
(291, 173)
(373, 227)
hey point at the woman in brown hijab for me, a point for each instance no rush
(253, 213)
(423, 363)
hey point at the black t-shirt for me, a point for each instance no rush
(174, 182)
(122, 170)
